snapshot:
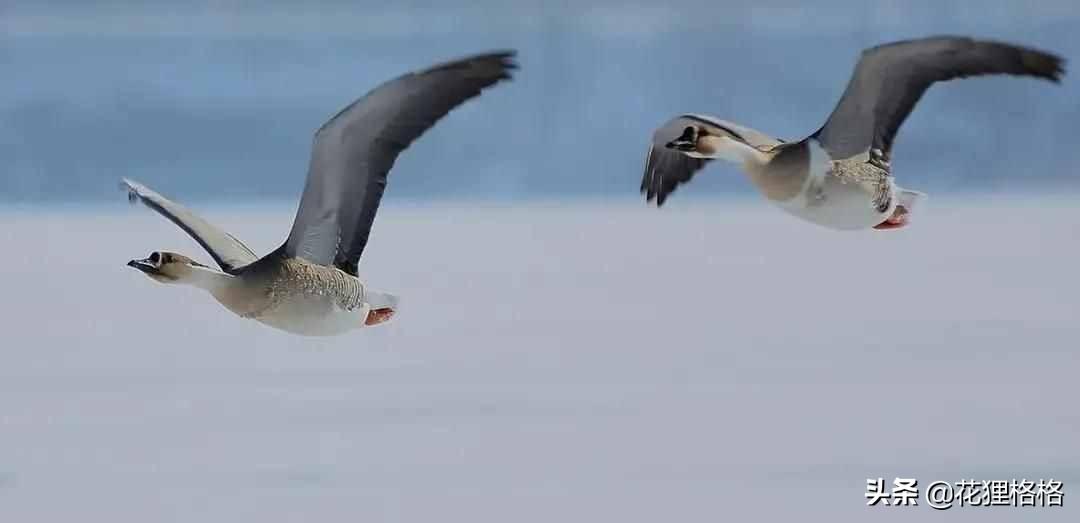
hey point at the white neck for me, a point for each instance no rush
(734, 151)
(208, 279)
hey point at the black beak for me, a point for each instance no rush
(686, 142)
(144, 265)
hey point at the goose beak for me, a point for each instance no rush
(144, 265)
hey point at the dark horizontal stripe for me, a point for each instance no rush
(714, 124)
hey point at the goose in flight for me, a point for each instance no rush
(839, 176)
(309, 285)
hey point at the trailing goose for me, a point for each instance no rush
(839, 176)
(310, 285)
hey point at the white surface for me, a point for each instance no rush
(704, 362)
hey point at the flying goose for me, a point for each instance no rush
(839, 176)
(310, 285)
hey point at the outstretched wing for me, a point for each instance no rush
(665, 170)
(227, 251)
(354, 151)
(889, 80)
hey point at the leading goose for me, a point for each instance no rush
(839, 177)
(309, 285)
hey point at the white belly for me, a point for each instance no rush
(312, 315)
(830, 202)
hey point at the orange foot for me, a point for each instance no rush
(898, 219)
(377, 316)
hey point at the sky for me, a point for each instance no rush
(219, 100)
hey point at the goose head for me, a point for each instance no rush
(168, 267)
(687, 142)
(715, 142)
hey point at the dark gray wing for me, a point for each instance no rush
(665, 170)
(354, 151)
(227, 251)
(890, 79)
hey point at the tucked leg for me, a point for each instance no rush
(377, 316)
(898, 219)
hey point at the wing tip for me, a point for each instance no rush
(498, 64)
(131, 188)
(505, 59)
(506, 62)
(653, 195)
(1044, 65)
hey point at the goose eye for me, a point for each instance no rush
(155, 258)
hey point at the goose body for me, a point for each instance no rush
(828, 200)
(844, 195)
(310, 285)
(297, 296)
(839, 177)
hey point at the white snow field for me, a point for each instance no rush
(710, 361)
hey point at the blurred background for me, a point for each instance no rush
(563, 352)
(220, 99)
